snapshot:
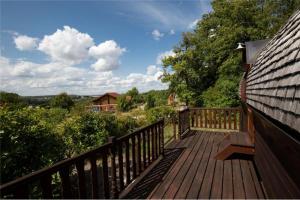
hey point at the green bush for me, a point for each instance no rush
(157, 113)
(62, 100)
(87, 131)
(124, 104)
(27, 143)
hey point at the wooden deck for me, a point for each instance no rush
(189, 170)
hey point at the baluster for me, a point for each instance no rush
(46, 186)
(220, 118)
(201, 114)
(229, 118)
(127, 161)
(21, 192)
(234, 119)
(81, 179)
(156, 141)
(95, 191)
(133, 157)
(162, 138)
(215, 119)
(148, 146)
(120, 159)
(205, 117)
(153, 144)
(66, 185)
(224, 115)
(139, 152)
(105, 174)
(114, 188)
(144, 150)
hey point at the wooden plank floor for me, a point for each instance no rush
(196, 174)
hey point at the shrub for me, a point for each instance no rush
(157, 113)
(62, 100)
(27, 143)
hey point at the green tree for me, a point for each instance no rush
(62, 100)
(206, 57)
(134, 94)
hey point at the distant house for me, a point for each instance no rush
(106, 102)
(172, 99)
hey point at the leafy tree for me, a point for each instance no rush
(134, 94)
(206, 57)
(62, 100)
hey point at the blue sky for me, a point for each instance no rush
(90, 47)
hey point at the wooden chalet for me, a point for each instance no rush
(106, 102)
(252, 151)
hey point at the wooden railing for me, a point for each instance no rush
(183, 122)
(216, 118)
(106, 107)
(100, 173)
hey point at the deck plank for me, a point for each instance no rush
(171, 192)
(198, 179)
(196, 174)
(257, 184)
(227, 190)
(188, 179)
(159, 193)
(209, 173)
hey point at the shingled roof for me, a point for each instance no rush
(273, 82)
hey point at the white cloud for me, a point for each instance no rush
(156, 34)
(107, 54)
(172, 32)
(193, 24)
(152, 69)
(24, 42)
(163, 55)
(28, 78)
(67, 46)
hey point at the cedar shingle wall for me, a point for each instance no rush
(273, 83)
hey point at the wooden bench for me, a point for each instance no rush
(237, 142)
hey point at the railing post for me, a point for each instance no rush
(162, 134)
(114, 188)
(174, 127)
(179, 125)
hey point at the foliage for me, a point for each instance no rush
(126, 124)
(134, 95)
(124, 104)
(89, 130)
(62, 100)
(206, 57)
(160, 96)
(150, 101)
(27, 143)
(11, 100)
(156, 113)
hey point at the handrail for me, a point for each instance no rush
(216, 118)
(126, 157)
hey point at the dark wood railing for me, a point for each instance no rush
(216, 118)
(100, 173)
(183, 122)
